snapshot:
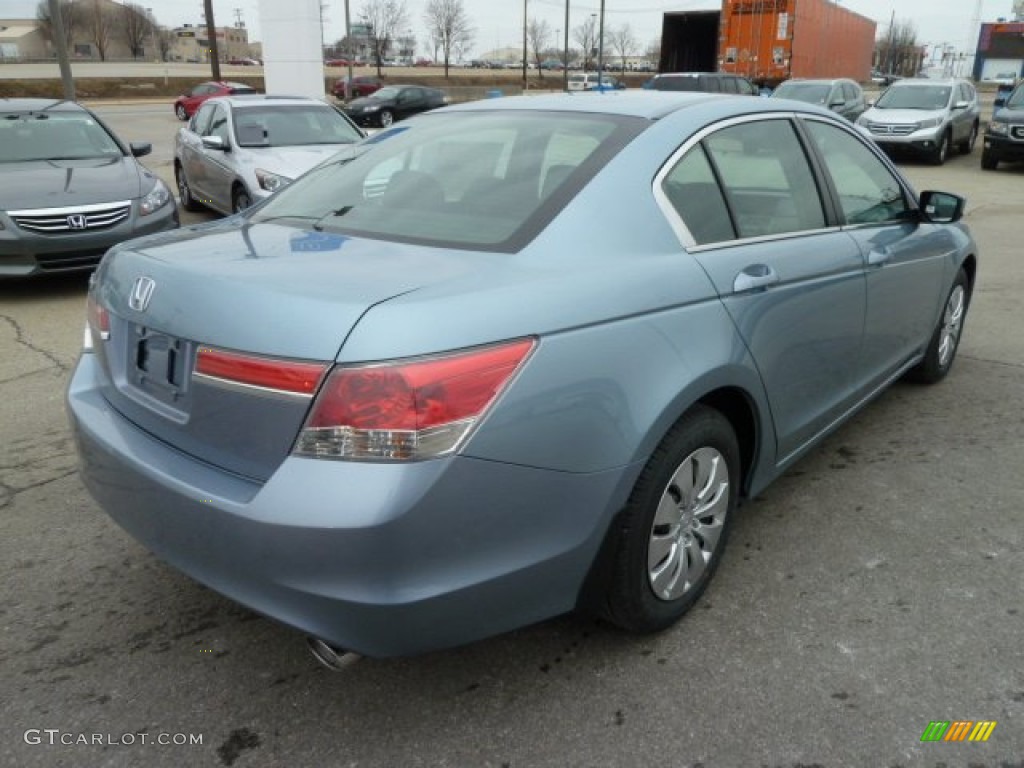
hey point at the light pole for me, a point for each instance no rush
(525, 2)
(348, 52)
(600, 48)
(565, 50)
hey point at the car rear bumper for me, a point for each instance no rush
(381, 559)
(27, 254)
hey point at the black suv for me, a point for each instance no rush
(708, 82)
(1004, 137)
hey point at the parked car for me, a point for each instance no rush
(362, 85)
(708, 82)
(843, 96)
(394, 102)
(1004, 136)
(554, 65)
(926, 117)
(70, 189)
(334, 409)
(186, 105)
(589, 81)
(238, 150)
(244, 62)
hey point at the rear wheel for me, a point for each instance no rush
(676, 523)
(938, 359)
(967, 145)
(386, 118)
(184, 190)
(180, 113)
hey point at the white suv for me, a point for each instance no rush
(925, 116)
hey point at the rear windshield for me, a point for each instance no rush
(676, 84)
(813, 93)
(289, 126)
(54, 136)
(480, 180)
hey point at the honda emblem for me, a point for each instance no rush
(142, 292)
(77, 221)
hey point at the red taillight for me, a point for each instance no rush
(294, 377)
(407, 410)
(99, 318)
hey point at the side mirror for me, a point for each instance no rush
(942, 207)
(215, 142)
(140, 148)
(961, 105)
(999, 102)
(836, 103)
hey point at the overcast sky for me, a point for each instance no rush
(499, 23)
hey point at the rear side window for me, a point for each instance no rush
(767, 180)
(676, 84)
(692, 190)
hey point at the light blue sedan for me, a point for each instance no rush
(509, 359)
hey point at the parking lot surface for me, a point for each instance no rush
(872, 590)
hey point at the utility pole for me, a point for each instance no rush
(348, 51)
(525, 3)
(565, 51)
(211, 33)
(600, 47)
(61, 43)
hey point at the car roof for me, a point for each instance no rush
(926, 81)
(819, 80)
(39, 105)
(244, 100)
(647, 104)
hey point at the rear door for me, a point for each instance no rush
(794, 288)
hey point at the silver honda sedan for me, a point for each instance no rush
(238, 150)
(509, 359)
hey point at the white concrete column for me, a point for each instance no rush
(292, 47)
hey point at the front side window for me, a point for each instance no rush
(868, 191)
(218, 125)
(201, 119)
(488, 180)
(766, 178)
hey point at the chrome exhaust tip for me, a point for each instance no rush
(336, 659)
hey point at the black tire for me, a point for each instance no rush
(240, 198)
(185, 191)
(945, 341)
(967, 145)
(387, 117)
(180, 113)
(941, 152)
(631, 599)
(988, 161)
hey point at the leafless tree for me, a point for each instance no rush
(448, 26)
(586, 35)
(71, 15)
(898, 51)
(623, 42)
(387, 19)
(653, 52)
(538, 36)
(165, 39)
(135, 27)
(98, 26)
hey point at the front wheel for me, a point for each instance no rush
(675, 524)
(185, 191)
(240, 199)
(988, 161)
(386, 118)
(941, 152)
(938, 358)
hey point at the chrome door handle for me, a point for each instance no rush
(754, 277)
(878, 258)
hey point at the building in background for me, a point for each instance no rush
(22, 40)
(1000, 55)
(191, 43)
(768, 41)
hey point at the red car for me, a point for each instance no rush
(186, 105)
(362, 85)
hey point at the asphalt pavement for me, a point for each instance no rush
(874, 589)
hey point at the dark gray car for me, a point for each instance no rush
(841, 95)
(70, 189)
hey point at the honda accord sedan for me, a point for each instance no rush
(423, 395)
(70, 189)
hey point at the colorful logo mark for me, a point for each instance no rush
(958, 730)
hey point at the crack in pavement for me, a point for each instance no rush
(22, 338)
(993, 362)
(9, 494)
